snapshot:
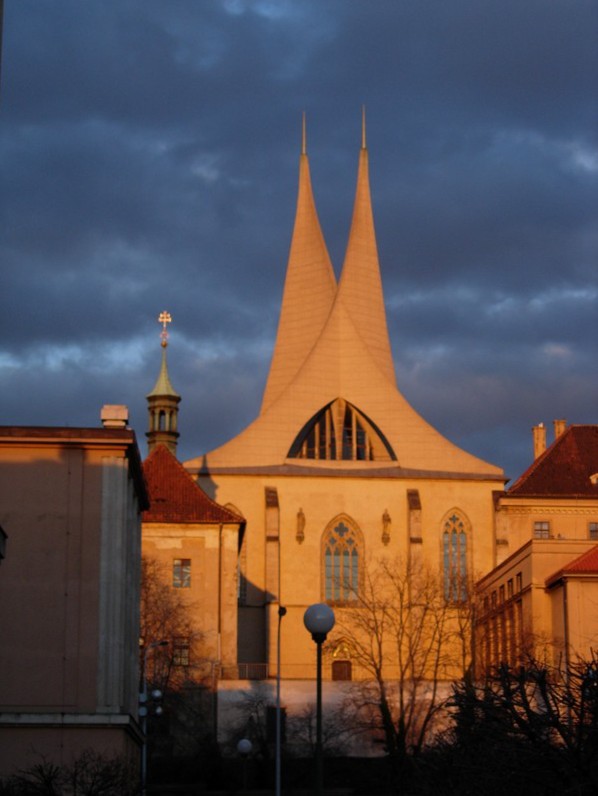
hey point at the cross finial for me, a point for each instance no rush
(164, 318)
(363, 144)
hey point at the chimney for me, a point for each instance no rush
(559, 427)
(539, 433)
(114, 416)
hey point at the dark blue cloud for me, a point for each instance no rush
(149, 158)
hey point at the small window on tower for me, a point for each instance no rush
(593, 531)
(181, 573)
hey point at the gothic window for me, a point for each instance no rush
(454, 557)
(340, 431)
(341, 550)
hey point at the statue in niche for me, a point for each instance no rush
(386, 523)
(300, 535)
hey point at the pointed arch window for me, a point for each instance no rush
(340, 431)
(454, 557)
(342, 552)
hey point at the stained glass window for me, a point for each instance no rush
(454, 550)
(341, 564)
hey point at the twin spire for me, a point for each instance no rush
(312, 298)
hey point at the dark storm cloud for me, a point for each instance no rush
(149, 160)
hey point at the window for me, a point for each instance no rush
(510, 587)
(519, 579)
(341, 552)
(501, 594)
(541, 529)
(593, 531)
(180, 652)
(181, 573)
(454, 551)
(340, 431)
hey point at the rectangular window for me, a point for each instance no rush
(501, 594)
(541, 529)
(510, 588)
(519, 578)
(181, 573)
(593, 531)
(180, 652)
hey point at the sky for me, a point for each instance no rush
(149, 160)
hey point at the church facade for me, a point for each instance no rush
(338, 471)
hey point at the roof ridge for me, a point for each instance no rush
(174, 506)
(538, 461)
(577, 565)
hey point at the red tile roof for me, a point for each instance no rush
(564, 469)
(585, 564)
(175, 496)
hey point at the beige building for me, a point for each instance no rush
(196, 542)
(542, 599)
(70, 505)
(336, 472)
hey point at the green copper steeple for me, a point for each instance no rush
(163, 401)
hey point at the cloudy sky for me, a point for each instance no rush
(148, 157)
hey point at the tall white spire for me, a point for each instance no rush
(360, 286)
(309, 289)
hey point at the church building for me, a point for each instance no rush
(337, 471)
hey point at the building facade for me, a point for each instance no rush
(70, 505)
(541, 600)
(338, 472)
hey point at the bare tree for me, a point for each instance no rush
(407, 643)
(180, 669)
(166, 617)
(536, 723)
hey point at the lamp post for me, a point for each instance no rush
(143, 710)
(244, 748)
(281, 612)
(319, 621)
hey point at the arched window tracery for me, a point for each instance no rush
(339, 431)
(455, 533)
(342, 552)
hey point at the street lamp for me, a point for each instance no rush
(282, 611)
(143, 710)
(244, 748)
(319, 621)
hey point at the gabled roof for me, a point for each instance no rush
(175, 497)
(585, 564)
(565, 468)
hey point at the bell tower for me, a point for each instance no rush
(163, 401)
